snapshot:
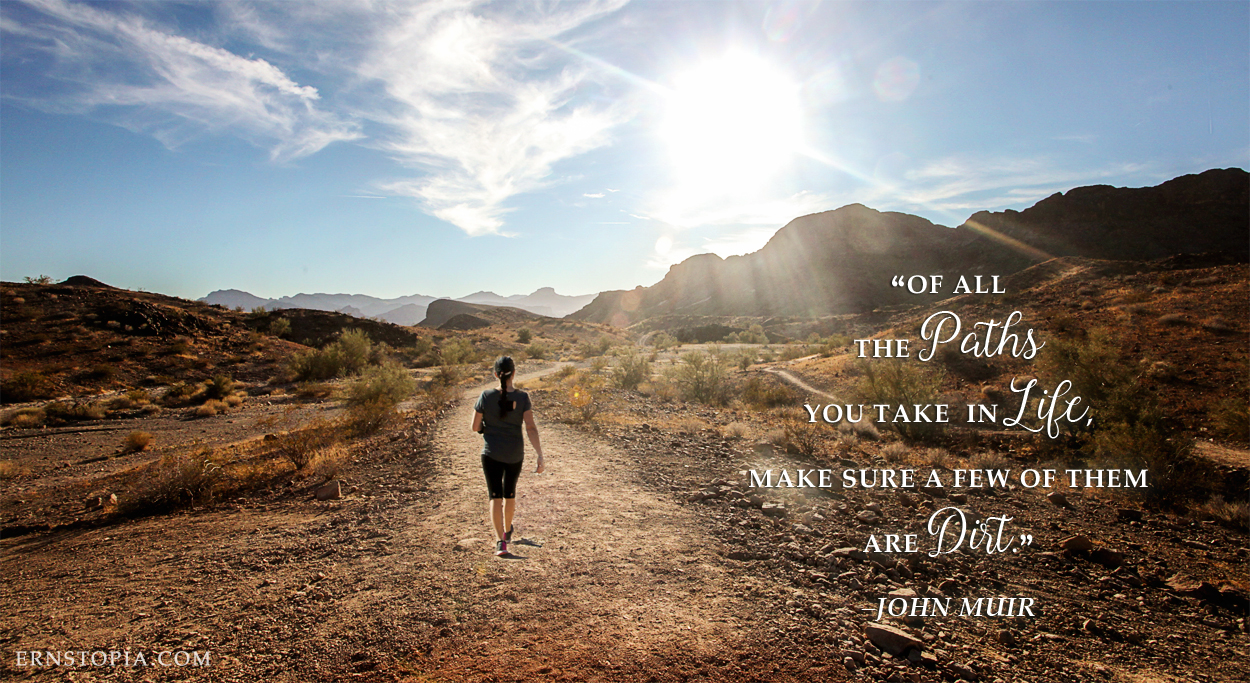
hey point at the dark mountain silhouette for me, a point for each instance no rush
(458, 315)
(405, 310)
(842, 261)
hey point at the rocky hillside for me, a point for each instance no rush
(450, 314)
(842, 261)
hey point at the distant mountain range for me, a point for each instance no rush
(842, 261)
(405, 310)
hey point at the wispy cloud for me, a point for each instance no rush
(483, 105)
(126, 69)
(594, 195)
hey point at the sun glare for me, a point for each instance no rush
(731, 124)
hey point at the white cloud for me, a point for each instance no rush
(482, 105)
(594, 195)
(133, 73)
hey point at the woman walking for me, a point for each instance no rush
(498, 417)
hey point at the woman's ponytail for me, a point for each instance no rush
(504, 367)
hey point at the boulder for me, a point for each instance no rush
(892, 640)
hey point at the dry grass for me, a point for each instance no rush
(137, 442)
(10, 469)
(895, 452)
(210, 408)
(1234, 515)
(735, 430)
(175, 481)
(26, 418)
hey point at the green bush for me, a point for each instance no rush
(537, 351)
(664, 340)
(372, 398)
(632, 368)
(457, 352)
(351, 353)
(524, 335)
(896, 382)
(217, 388)
(702, 377)
(279, 327)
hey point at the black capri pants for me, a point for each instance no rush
(501, 477)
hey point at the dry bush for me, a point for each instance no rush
(795, 351)
(326, 463)
(26, 418)
(688, 425)
(178, 394)
(151, 409)
(735, 430)
(801, 437)
(524, 335)
(937, 458)
(1230, 417)
(234, 400)
(210, 408)
(1234, 515)
(537, 351)
(175, 481)
(762, 394)
(136, 442)
(598, 364)
(457, 352)
(584, 399)
(72, 411)
(865, 430)
(10, 469)
(25, 386)
(564, 373)
(301, 445)
(310, 390)
(895, 452)
(990, 460)
(216, 389)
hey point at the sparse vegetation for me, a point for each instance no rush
(25, 386)
(137, 441)
(372, 399)
(537, 351)
(175, 481)
(38, 280)
(896, 382)
(632, 368)
(279, 327)
(1230, 417)
(701, 377)
(524, 335)
(763, 394)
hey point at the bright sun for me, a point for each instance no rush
(731, 124)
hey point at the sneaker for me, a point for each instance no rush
(501, 549)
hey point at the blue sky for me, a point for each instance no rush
(447, 147)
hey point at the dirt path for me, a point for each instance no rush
(801, 384)
(623, 577)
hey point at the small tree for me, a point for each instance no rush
(524, 335)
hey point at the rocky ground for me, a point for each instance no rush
(654, 559)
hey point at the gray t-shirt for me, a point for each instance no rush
(505, 441)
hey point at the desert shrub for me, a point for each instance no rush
(735, 430)
(524, 335)
(349, 354)
(833, 344)
(632, 368)
(896, 382)
(372, 399)
(793, 351)
(1174, 474)
(895, 452)
(456, 352)
(1230, 417)
(537, 351)
(310, 390)
(388, 383)
(596, 348)
(217, 388)
(233, 400)
(564, 373)
(38, 280)
(175, 481)
(210, 408)
(10, 469)
(178, 394)
(326, 463)
(663, 341)
(1234, 515)
(937, 458)
(584, 398)
(801, 437)
(701, 377)
(25, 386)
(72, 411)
(447, 375)
(743, 358)
(762, 394)
(279, 327)
(300, 446)
(136, 442)
(25, 418)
